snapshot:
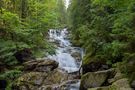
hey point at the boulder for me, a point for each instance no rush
(47, 87)
(100, 88)
(95, 79)
(55, 77)
(121, 84)
(94, 66)
(74, 84)
(40, 65)
(116, 77)
(76, 55)
(38, 80)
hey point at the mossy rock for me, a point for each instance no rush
(117, 76)
(121, 84)
(95, 79)
(94, 66)
(40, 65)
(55, 77)
(33, 78)
(39, 79)
(100, 88)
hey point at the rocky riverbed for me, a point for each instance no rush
(61, 71)
(54, 72)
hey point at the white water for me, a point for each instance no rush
(67, 2)
(64, 50)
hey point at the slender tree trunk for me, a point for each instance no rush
(23, 9)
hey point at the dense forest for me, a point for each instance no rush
(105, 29)
(24, 25)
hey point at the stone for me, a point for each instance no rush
(100, 88)
(95, 79)
(40, 65)
(133, 84)
(121, 84)
(76, 55)
(55, 77)
(47, 87)
(116, 77)
(74, 84)
(94, 66)
(36, 80)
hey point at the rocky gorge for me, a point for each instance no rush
(97, 76)
(54, 72)
(64, 71)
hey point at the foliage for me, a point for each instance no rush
(105, 28)
(10, 76)
(28, 26)
(24, 24)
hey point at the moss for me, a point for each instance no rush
(94, 79)
(128, 66)
(132, 78)
(76, 42)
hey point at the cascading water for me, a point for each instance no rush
(64, 53)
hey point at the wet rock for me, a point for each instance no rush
(76, 55)
(47, 87)
(57, 43)
(74, 75)
(41, 65)
(70, 84)
(95, 79)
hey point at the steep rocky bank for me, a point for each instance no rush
(41, 75)
(104, 79)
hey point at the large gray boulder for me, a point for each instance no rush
(121, 84)
(40, 65)
(100, 88)
(76, 55)
(95, 79)
(40, 80)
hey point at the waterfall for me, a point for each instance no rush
(64, 50)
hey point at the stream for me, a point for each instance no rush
(65, 56)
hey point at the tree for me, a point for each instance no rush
(24, 25)
(105, 29)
